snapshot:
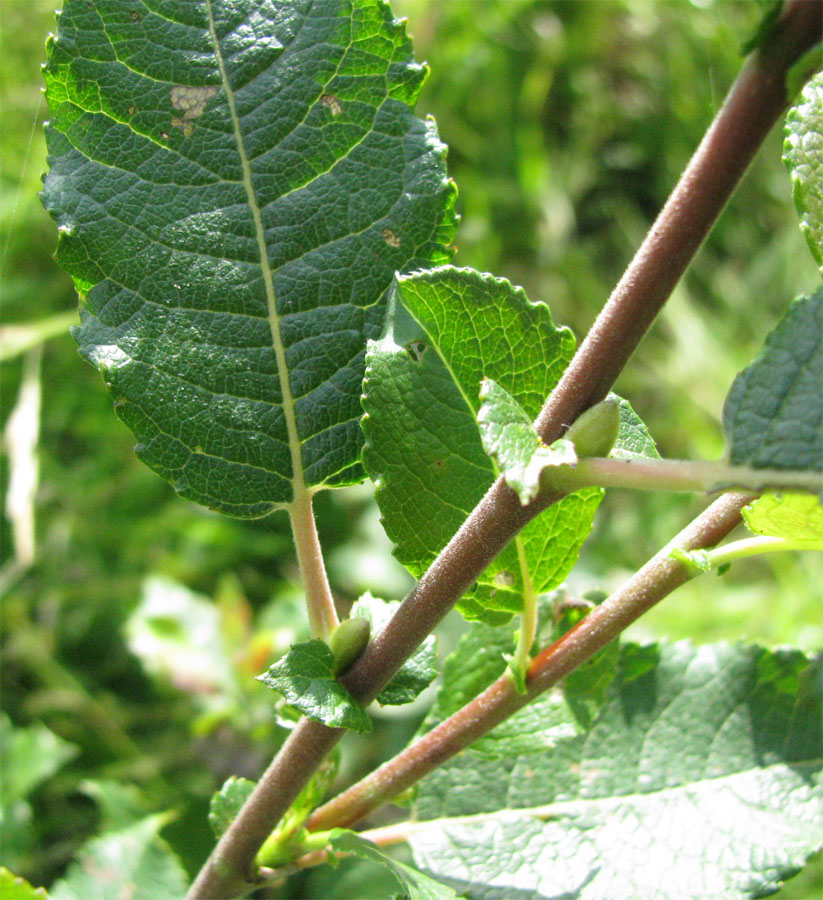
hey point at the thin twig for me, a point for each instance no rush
(658, 578)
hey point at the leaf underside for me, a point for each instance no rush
(699, 780)
(235, 184)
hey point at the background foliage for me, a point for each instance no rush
(134, 635)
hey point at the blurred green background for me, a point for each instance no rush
(568, 124)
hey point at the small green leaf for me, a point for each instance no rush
(13, 887)
(232, 203)
(773, 416)
(416, 885)
(698, 561)
(803, 155)
(227, 802)
(418, 672)
(305, 677)
(132, 862)
(509, 438)
(796, 517)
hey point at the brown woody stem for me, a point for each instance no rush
(658, 578)
(755, 102)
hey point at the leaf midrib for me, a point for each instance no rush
(298, 479)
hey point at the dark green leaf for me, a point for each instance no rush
(305, 677)
(235, 184)
(699, 779)
(416, 885)
(226, 803)
(771, 10)
(418, 672)
(423, 448)
(803, 155)
(773, 416)
(133, 862)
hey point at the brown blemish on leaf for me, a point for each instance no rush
(330, 101)
(131, 110)
(390, 237)
(191, 101)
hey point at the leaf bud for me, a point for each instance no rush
(348, 641)
(594, 432)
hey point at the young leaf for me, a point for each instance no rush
(133, 862)
(416, 885)
(418, 672)
(698, 780)
(423, 449)
(13, 887)
(305, 677)
(233, 201)
(226, 803)
(773, 416)
(803, 155)
(508, 437)
(796, 517)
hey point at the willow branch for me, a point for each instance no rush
(658, 578)
(754, 104)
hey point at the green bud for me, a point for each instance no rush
(348, 641)
(594, 432)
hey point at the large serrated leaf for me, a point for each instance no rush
(773, 415)
(235, 184)
(423, 449)
(698, 781)
(803, 155)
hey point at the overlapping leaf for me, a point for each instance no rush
(794, 517)
(773, 416)
(423, 448)
(699, 779)
(416, 885)
(803, 155)
(448, 329)
(305, 677)
(235, 184)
